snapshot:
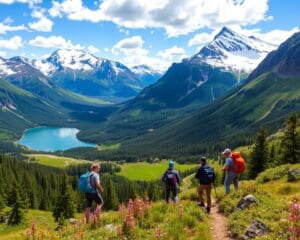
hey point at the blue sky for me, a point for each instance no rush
(156, 32)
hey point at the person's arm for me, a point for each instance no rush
(178, 177)
(197, 175)
(227, 164)
(98, 186)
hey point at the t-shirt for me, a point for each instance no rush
(94, 179)
(229, 163)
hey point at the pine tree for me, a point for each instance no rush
(259, 154)
(2, 205)
(290, 144)
(272, 156)
(110, 194)
(65, 204)
(16, 213)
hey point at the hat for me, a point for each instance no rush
(171, 164)
(227, 151)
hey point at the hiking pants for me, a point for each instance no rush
(231, 178)
(168, 190)
(207, 189)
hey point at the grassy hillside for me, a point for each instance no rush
(55, 161)
(157, 221)
(274, 195)
(263, 102)
(149, 171)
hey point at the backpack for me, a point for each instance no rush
(170, 178)
(239, 164)
(208, 175)
(84, 184)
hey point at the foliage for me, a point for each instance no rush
(290, 144)
(16, 213)
(294, 217)
(259, 156)
(64, 207)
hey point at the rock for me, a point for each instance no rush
(246, 202)
(256, 228)
(293, 175)
(72, 220)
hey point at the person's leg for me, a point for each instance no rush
(208, 196)
(174, 193)
(227, 182)
(236, 181)
(87, 214)
(99, 201)
(167, 193)
(88, 204)
(200, 195)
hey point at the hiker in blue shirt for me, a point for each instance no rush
(171, 179)
(231, 176)
(95, 195)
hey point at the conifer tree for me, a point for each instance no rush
(110, 195)
(259, 156)
(64, 205)
(290, 144)
(16, 213)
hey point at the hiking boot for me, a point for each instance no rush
(201, 204)
(208, 209)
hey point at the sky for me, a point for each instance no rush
(134, 32)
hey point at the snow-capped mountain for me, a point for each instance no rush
(234, 52)
(146, 74)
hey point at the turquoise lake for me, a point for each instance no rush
(52, 139)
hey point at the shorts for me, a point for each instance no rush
(91, 197)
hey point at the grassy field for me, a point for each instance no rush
(149, 171)
(42, 218)
(55, 161)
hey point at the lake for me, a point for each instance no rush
(51, 139)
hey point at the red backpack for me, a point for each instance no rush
(239, 164)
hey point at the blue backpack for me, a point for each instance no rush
(207, 175)
(84, 184)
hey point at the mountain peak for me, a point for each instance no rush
(225, 31)
(233, 51)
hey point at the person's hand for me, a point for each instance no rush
(101, 189)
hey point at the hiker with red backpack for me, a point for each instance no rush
(171, 180)
(234, 166)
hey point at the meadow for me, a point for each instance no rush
(150, 171)
(55, 161)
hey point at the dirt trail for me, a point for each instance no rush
(219, 225)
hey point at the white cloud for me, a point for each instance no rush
(30, 2)
(54, 42)
(277, 36)
(93, 49)
(173, 54)
(131, 52)
(13, 43)
(200, 39)
(3, 54)
(132, 45)
(42, 25)
(177, 17)
(4, 28)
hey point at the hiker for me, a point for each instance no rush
(171, 179)
(94, 195)
(206, 176)
(231, 176)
